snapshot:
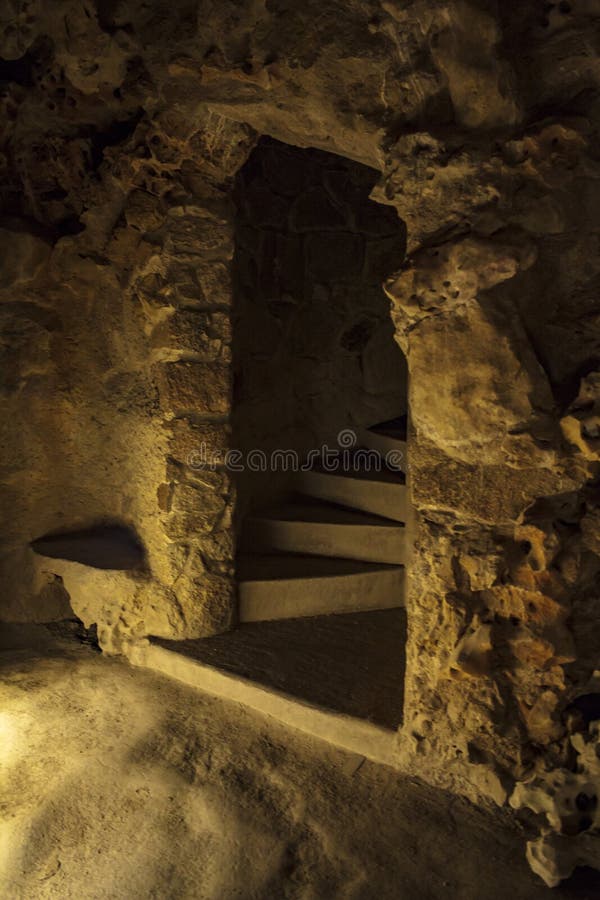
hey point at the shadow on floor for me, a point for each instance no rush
(352, 663)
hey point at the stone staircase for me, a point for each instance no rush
(339, 545)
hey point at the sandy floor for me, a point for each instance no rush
(115, 783)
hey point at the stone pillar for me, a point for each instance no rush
(186, 294)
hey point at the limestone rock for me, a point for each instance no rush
(23, 255)
(198, 445)
(569, 803)
(442, 278)
(477, 412)
(474, 652)
(195, 509)
(194, 387)
(590, 526)
(479, 88)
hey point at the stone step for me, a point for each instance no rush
(325, 530)
(292, 586)
(390, 444)
(381, 493)
(352, 663)
(356, 735)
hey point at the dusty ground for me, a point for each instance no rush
(119, 784)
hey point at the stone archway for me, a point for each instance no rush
(317, 373)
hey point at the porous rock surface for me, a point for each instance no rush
(123, 127)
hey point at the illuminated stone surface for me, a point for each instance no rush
(124, 127)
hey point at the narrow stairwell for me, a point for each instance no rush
(339, 545)
(320, 641)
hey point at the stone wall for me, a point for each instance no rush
(499, 328)
(117, 355)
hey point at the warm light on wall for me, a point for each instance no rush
(9, 733)
(8, 737)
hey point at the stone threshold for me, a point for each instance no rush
(373, 742)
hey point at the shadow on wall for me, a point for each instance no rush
(313, 342)
(101, 547)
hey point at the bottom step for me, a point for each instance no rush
(284, 587)
(337, 678)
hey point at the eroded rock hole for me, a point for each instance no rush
(583, 710)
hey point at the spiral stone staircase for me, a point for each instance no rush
(320, 644)
(340, 544)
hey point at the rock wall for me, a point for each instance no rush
(116, 367)
(118, 144)
(506, 579)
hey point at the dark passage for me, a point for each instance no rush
(313, 341)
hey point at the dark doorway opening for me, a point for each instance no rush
(314, 351)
